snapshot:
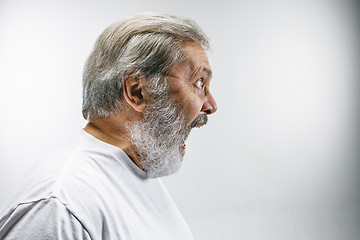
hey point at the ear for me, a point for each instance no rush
(134, 91)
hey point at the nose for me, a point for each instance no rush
(209, 106)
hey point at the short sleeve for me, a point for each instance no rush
(44, 219)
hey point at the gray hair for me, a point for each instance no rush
(149, 44)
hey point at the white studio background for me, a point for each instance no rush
(278, 161)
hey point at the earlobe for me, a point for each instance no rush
(134, 92)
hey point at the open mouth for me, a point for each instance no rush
(183, 145)
(199, 121)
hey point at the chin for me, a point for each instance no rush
(165, 166)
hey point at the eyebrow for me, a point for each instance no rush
(203, 70)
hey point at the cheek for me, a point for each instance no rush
(192, 109)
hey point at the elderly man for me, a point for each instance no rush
(145, 86)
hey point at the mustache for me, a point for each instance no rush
(199, 121)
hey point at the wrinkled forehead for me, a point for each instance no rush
(196, 61)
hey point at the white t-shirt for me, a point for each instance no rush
(92, 190)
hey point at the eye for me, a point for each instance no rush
(199, 83)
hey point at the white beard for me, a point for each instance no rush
(159, 138)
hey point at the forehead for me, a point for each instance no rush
(197, 62)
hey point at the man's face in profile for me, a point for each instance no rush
(160, 137)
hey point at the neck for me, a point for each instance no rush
(105, 130)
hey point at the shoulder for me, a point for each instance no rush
(46, 218)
